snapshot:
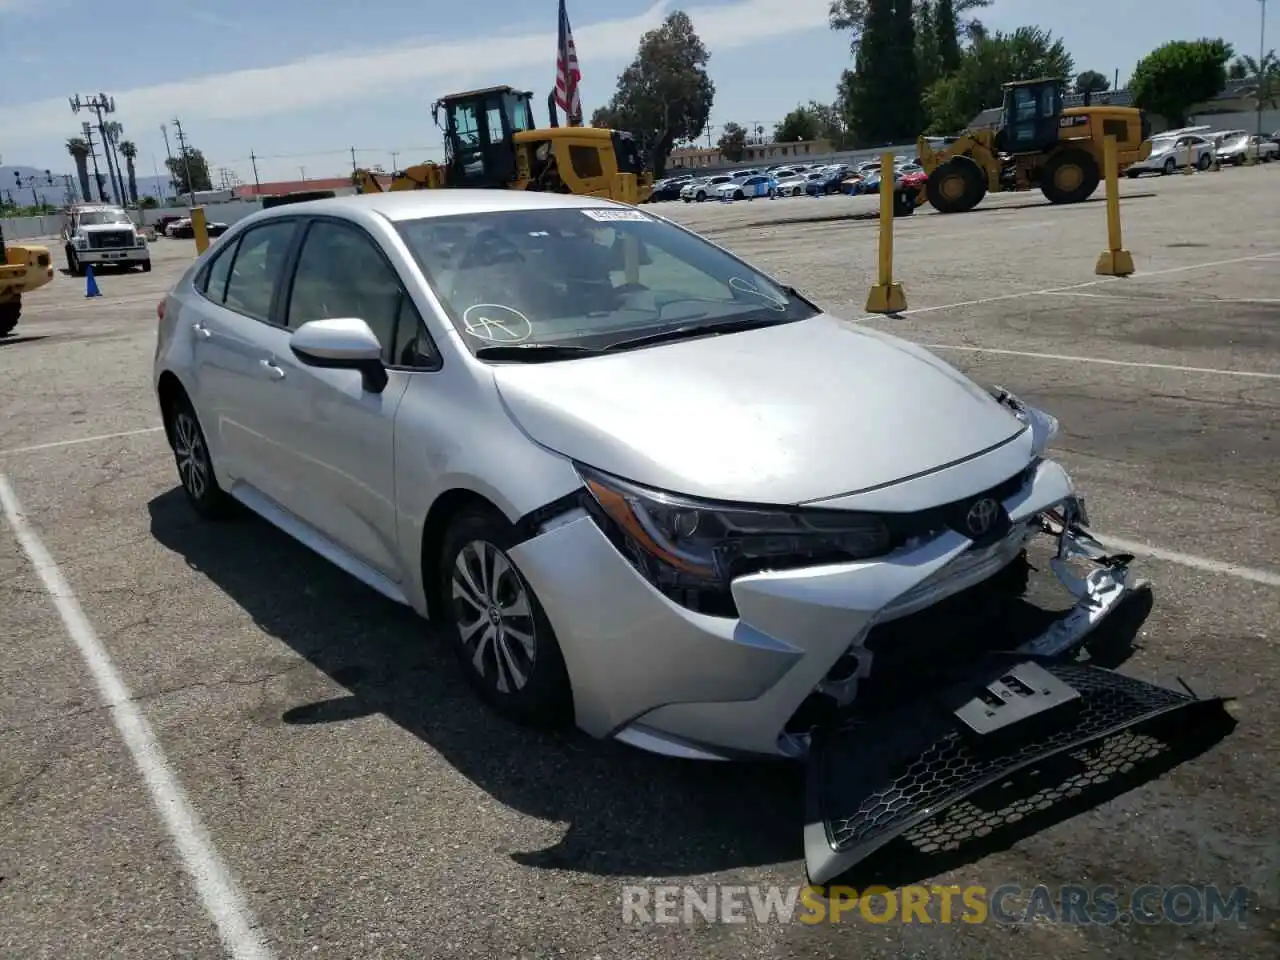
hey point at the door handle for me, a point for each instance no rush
(201, 331)
(273, 371)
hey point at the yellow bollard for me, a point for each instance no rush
(886, 296)
(1190, 168)
(1115, 261)
(200, 227)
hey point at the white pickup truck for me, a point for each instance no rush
(101, 234)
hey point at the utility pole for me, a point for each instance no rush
(394, 154)
(354, 165)
(186, 160)
(1262, 73)
(100, 105)
(87, 129)
(303, 171)
(169, 164)
(257, 187)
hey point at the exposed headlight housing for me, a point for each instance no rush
(692, 550)
(1044, 427)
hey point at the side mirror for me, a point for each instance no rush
(341, 343)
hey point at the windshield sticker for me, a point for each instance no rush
(496, 323)
(612, 216)
(746, 286)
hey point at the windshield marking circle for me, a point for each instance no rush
(512, 326)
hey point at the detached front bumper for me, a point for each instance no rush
(672, 681)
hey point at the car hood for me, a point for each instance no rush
(788, 414)
(105, 227)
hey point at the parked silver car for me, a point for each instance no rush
(638, 482)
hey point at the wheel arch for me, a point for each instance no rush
(169, 389)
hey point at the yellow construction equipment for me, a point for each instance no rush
(490, 141)
(22, 269)
(1039, 143)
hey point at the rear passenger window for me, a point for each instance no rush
(257, 265)
(215, 276)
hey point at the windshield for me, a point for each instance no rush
(99, 217)
(586, 278)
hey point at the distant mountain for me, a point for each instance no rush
(56, 193)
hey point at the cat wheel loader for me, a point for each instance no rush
(1038, 143)
(22, 269)
(491, 141)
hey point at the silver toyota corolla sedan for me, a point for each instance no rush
(636, 481)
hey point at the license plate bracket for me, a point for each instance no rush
(1023, 691)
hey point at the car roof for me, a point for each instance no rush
(417, 204)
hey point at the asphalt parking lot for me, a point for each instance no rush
(368, 806)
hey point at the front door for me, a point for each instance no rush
(341, 437)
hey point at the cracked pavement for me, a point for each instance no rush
(368, 804)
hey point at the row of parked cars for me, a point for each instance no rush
(797, 180)
(1202, 147)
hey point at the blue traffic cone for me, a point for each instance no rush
(90, 283)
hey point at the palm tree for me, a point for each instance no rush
(1267, 76)
(129, 150)
(112, 131)
(79, 151)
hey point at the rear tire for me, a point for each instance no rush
(1204, 163)
(956, 186)
(146, 266)
(495, 624)
(1169, 167)
(194, 462)
(1070, 176)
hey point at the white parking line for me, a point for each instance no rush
(1071, 358)
(1268, 577)
(67, 443)
(1071, 286)
(214, 883)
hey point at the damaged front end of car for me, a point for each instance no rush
(901, 738)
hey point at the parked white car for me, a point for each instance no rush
(641, 485)
(1172, 153)
(1238, 146)
(103, 235)
(703, 189)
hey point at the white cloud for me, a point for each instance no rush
(352, 77)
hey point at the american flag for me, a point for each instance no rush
(568, 76)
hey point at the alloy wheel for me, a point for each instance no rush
(494, 616)
(192, 455)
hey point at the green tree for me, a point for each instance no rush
(800, 124)
(874, 97)
(79, 150)
(1173, 78)
(665, 95)
(928, 62)
(733, 142)
(1238, 69)
(194, 161)
(946, 28)
(1091, 81)
(908, 113)
(1026, 54)
(851, 16)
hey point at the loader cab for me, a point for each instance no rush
(478, 127)
(1030, 116)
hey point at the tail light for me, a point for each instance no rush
(160, 311)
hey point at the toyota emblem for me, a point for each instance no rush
(980, 517)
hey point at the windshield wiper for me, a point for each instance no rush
(534, 352)
(690, 330)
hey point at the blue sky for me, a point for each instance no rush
(299, 82)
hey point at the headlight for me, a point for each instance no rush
(80, 241)
(1044, 427)
(692, 550)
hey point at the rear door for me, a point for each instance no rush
(235, 336)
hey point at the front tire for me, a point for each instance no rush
(496, 626)
(1070, 176)
(10, 311)
(194, 462)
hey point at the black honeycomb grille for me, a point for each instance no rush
(868, 797)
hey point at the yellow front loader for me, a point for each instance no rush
(491, 141)
(1039, 143)
(23, 268)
